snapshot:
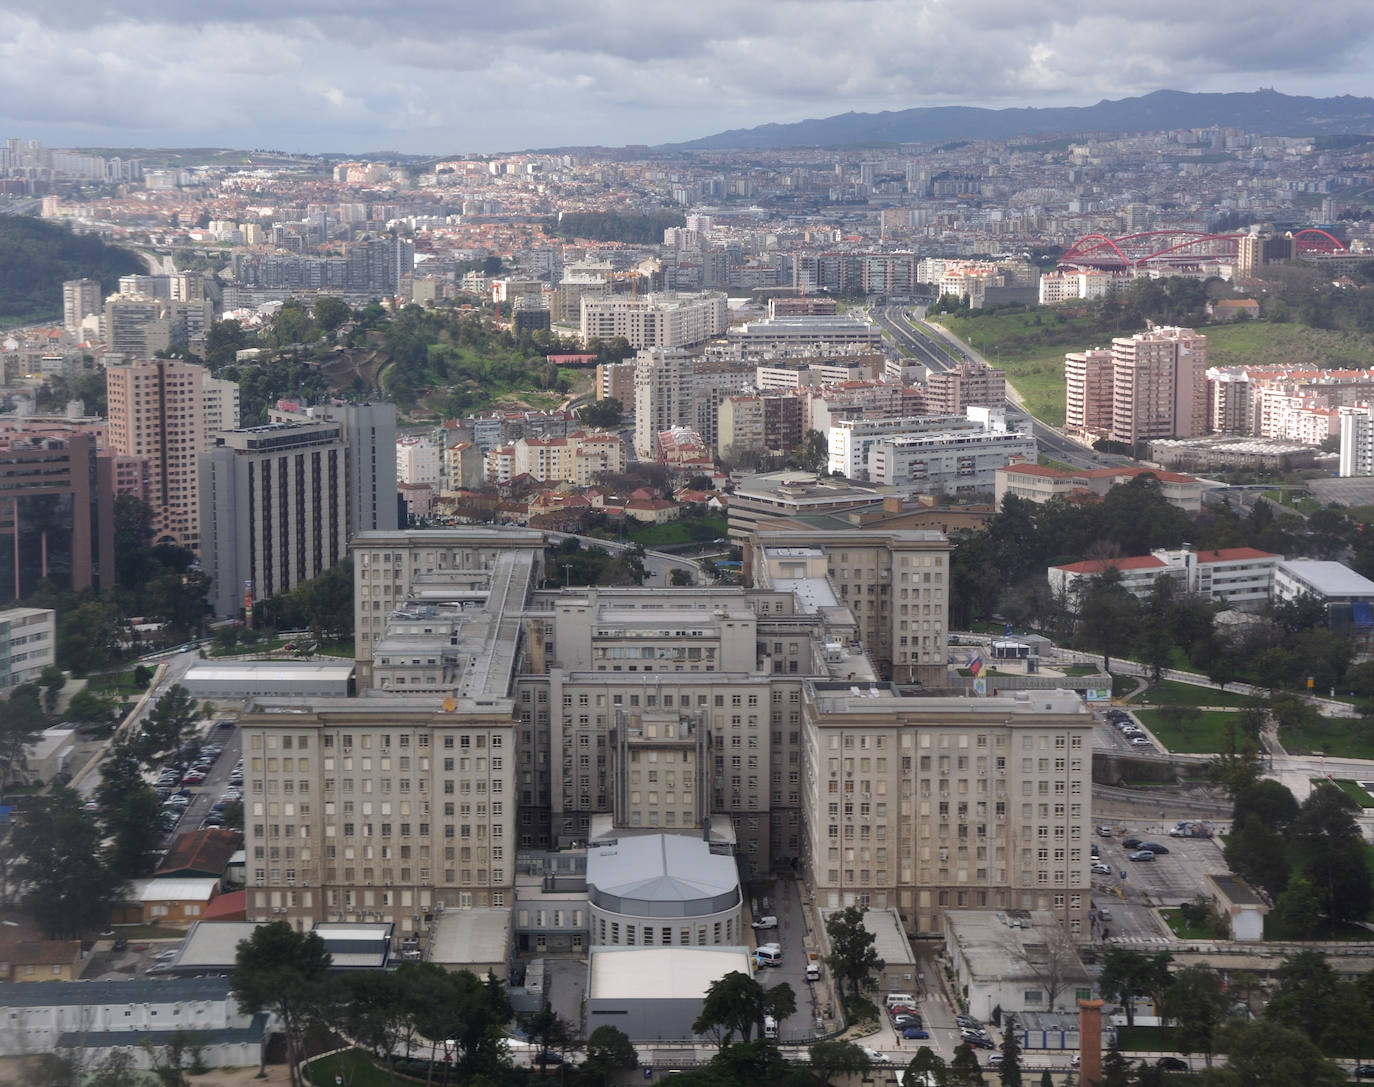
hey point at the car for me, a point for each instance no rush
(1104, 914)
(876, 1055)
(1172, 1064)
(902, 1009)
(176, 802)
(900, 1021)
(1095, 851)
(995, 1061)
(983, 1042)
(224, 724)
(1141, 741)
(121, 944)
(914, 1032)
(1101, 868)
(1104, 831)
(968, 1021)
(1141, 855)
(766, 922)
(212, 821)
(1363, 1070)
(192, 777)
(1154, 847)
(970, 1033)
(166, 956)
(1130, 843)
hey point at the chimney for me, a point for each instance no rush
(1090, 1042)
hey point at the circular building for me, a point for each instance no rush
(663, 890)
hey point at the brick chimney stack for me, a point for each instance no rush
(1090, 1042)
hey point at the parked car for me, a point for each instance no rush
(876, 1056)
(1101, 868)
(1130, 843)
(1104, 914)
(1173, 1064)
(1104, 831)
(968, 1021)
(981, 1042)
(900, 1021)
(1141, 741)
(915, 1032)
(224, 724)
(192, 777)
(766, 922)
(1154, 847)
(1141, 855)
(995, 1061)
(1364, 1070)
(902, 1009)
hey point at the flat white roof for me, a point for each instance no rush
(207, 672)
(1329, 578)
(471, 936)
(179, 889)
(673, 973)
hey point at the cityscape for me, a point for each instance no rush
(747, 610)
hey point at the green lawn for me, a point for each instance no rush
(1203, 736)
(336, 649)
(1081, 670)
(684, 530)
(358, 1070)
(1174, 919)
(117, 683)
(1351, 789)
(1339, 737)
(1168, 692)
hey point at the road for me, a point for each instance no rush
(177, 665)
(939, 349)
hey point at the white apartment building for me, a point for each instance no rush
(28, 644)
(221, 404)
(1088, 391)
(579, 458)
(810, 334)
(931, 804)
(418, 460)
(655, 320)
(1357, 442)
(663, 396)
(1236, 577)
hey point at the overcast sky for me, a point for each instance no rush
(456, 76)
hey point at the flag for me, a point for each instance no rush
(975, 663)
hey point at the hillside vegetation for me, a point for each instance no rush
(36, 256)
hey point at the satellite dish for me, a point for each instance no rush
(450, 705)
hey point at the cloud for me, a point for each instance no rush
(434, 76)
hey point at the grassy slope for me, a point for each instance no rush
(1033, 355)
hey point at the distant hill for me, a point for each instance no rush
(1266, 112)
(36, 256)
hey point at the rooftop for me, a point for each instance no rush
(40, 994)
(1329, 578)
(660, 868)
(665, 973)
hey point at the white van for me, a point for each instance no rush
(893, 999)
(770, 1027)
(813, 971)
(768, 956)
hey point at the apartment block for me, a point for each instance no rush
(1159, 385)
(273, 509)
(970, 384)
(157, 412)
(221, 404)
(655, 320)
(931, 804)
(1357, 442)
(1088, 385)
(80, 299)
(663, 396)
(1038, 483)
(579, 458)
(28, 644)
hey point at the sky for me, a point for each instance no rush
(450, 77)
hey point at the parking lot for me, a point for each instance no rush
(207, 794)
(1168, 880)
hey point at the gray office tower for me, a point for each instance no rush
(272, 508)
(369, 432)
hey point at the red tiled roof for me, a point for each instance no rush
(1096, 566)
(205, 851)
(227, 907)
(1234, 554)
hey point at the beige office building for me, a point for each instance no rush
(933, 804)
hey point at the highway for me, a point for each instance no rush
(939, 349)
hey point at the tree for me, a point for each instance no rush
(1270, 800)
(549, 1031)
(169, 726)
(331, 312)
(1197, 1003)
(852, 958)
(927, 1069)
(52, 679)
(1011, 1053)
(1258, 853)
(1307, 995)
(1116, 1068)
(1271, 1055)
(87, 707)
(283, 971)
(609, 1049)
(736, 1003)
(1333, 853)
(1127, 974)
(837, 1058)
(69, 888)
(21, 720)
(1052, 961)
(603, 413)
(964, 1069)
(679, 577)
(1298, 910)
(1108, 615)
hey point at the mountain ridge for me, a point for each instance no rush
(1265, 112)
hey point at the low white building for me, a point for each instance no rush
(332, 676)
(1330, 582)
(1236, 577)
(1016, 960)
(655, 993)
(100, 1017)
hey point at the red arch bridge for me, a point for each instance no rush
(1177, 247)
